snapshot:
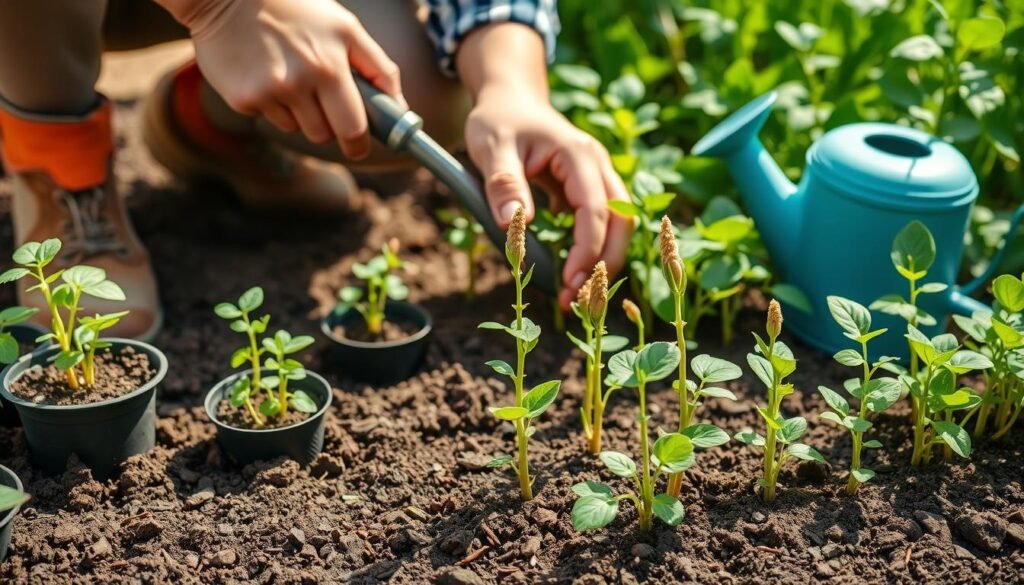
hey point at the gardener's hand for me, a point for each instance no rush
(290, 61)
(515, 136)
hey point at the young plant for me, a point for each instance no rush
(277, 397)
(773, 362)
(464, 233)
(78, 339)
(597, 504)
(381, 284)
(710, 370)
(592, 308)
(9, 350)
(528, 405)
(554, 231)
(875, 394)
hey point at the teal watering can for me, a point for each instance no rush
(832, 233)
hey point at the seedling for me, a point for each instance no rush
(11, 498)
(709, 369)
(553, 230)
(277, 397)
(9, 350)
(528, 405)
(598, 504)
(875, 394)
(773, 362)
(464, 233)
(78, 338)
(591, 307)
(999, 336)
(381, 284)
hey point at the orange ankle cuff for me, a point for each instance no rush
(74, 152)
(187, 110)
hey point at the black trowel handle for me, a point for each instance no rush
(401, 130)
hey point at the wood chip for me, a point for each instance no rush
(473, 556)
(416, 513)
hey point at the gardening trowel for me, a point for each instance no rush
(401, 130)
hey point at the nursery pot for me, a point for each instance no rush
(25, 334)
(381, 363)
(302, 441)
(9, 479)
(102, 434)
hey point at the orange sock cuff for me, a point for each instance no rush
(74, 151)
(187, 110)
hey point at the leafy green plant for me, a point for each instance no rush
(10, 317)
(591, 307)
(11, 498)
(554, 230)
(874, 394)
(77, 336)
(999, 336)
(772, 363)
(597, 504)
(528, 405)
(277, 398)
(381, 284)
(464, 233)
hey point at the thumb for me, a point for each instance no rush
(505, 184)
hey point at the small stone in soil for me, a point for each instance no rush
(200, 498)
(984, 530)
(297, 536)
(934, 524)
(147, 530)
(224, 558)
(459, 577)
(642, 550)
(530, 547)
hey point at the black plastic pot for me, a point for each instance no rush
(26, 334)
(382, 363)
(301, 442)
(102, 434)
(9, 479)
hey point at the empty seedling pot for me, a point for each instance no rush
(382, 363)
(26, 335)
(102, 434)
(9, 479)
(302, 441)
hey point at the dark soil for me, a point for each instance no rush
(240, 419)
(116, 374)
(389, 331)
(401, 493)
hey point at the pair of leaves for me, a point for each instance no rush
(597, 506)
(535, 402)
(529, 333)
(37, 253)
(655, 361)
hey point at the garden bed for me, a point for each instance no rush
(401, 493)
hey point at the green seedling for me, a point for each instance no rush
(77, 336)
(11, 498)
(381, 284)
(554, 231)
(591, 307)
(277, 397)
(597, 504)
(528, 405)
(708, 369)
(464, 233)
(999, 336)
(874, 394)
(9, 350)
(773, 362)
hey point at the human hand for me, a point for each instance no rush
(290, 61)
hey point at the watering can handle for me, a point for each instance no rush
(401, 130)
(959, 298)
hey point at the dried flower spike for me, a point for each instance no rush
(670, 261)
(583, 296)
(598, 292)
(774, 319)
(516, 239)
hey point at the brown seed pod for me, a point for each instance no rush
(671, 264)
(632, 311)
(598, 292)
(774, 318)
(516, 238)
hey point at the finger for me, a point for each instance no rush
(310, 118)
(370, 60)
(278, 115)
(585, 193)
(346, 115)
(505, 183)
(620, 229)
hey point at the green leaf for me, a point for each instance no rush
(227, 311)
(592, 488)
(932, 287)
(673, 452)
(8, 348)
(805, 452)
(657, 360)
(26, 253)
(792, 429)
(500, 461)
(762, 368)
(1008, 290)
(540, 397)
(976, 34)
(584, 347)
(914, 247)
(881, 393)
(302, 402)
(834, 400)
(849, 357)
(270, 406)
(622, 369)
(713, 370)
(856, 424)
(750, 438)
(873, 444)
(954, 436)
(502, 367)
(790, 295)
(623, 209)
(832, 416)
(509, 412)
(11, 498)
(107, 290)
(240, 391)
(618, 463)
(13, 274)
(668, 509)
(862, 475)
(68, 359)
(917, 48)
(966, 360)
(613, 343)
(716, 392)
(705, 436)
(298, 343)
(251, 299)
(578, 76)
(853, 317)
(493, 326)
(16, 315)
(593, 512)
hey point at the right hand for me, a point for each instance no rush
(291, 62)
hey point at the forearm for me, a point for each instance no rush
(503, 57)
(190, 12)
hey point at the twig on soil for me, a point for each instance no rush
(491, 537)
(906, 558)
(768, 549)
(473, 556)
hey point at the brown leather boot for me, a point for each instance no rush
(265, 176)
(63, 188)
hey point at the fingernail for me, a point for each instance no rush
(508, 210)
(578, 280)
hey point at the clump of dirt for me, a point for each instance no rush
(239, 418)
(119, 371)
(389, 331)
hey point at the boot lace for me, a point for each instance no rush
(87, 232)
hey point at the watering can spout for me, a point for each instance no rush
(770, 196)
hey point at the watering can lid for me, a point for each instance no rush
(884, 161)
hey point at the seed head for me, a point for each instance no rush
(670, 262)
(583, 298)
(632, 311)
(516, 239)
(598, 292)
(774, 319)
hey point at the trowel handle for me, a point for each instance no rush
(401, 130)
